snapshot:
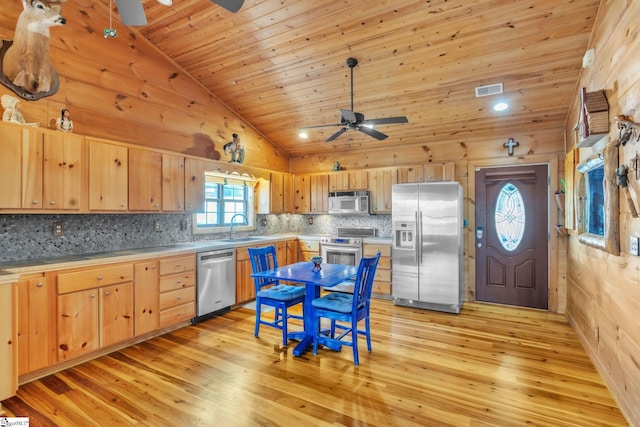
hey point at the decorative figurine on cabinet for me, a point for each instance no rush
(236, 150)
(12, 113)
(64, 122)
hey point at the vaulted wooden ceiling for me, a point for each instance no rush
(281, 65)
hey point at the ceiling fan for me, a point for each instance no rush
(349, 119)
(132, 13)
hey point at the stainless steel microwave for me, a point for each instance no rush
(349, 202)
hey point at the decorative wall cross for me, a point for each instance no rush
(510, 144)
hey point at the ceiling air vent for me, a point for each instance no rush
(488, 90)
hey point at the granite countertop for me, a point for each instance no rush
(9, 270)
(97, 258)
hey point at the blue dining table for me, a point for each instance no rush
(302, 272)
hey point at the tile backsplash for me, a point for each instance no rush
(25, 237)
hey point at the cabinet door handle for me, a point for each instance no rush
(92, 296)
(40, 284)
(52, 202)
(99, 277)
(107, 293)
(35, 202)
(153, 267)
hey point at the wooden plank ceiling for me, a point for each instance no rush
(281, 65)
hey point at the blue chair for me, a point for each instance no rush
(349, 308)
(270, 292)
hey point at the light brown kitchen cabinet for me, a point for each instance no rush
(380, 185)
(281, 194)
(146, 296)
(95, 309)
(172, 183)
(11, 166)
(145, 180)
(292, 252)
(349, 180)
(319, 193)
(43, 170)
(302, 193)
(194, 170)
(245, 288)
(382, 278)
(36, 328)
(8, 341)
(177, 289)
(308, 248)
(426, 173)
(108, 177)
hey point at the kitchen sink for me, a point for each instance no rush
(241, 239)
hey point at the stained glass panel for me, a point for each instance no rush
(510, 217)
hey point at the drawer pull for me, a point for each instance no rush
(153, 267)
(40, 284)
(53, 202)
(99, 277)
(179, 281)
(35, 202)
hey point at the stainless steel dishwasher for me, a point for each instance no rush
(216, 282)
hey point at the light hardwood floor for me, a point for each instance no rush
(490, 365)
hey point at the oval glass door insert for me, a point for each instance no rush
(510, 217)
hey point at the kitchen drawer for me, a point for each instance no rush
(177, 281)
(384, 263)
(383, 275)
(177, 297)
(177, 314)
(95, 277)
(177, 264)
(381, 288)
(370, 249)
(310, 245)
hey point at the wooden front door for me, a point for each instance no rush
(512, 235)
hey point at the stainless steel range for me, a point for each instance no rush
(345, 248)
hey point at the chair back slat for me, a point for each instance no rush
(263, 259)
(364, 282)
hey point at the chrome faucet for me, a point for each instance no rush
(234, 224)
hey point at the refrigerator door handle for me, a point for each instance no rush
(419, 236)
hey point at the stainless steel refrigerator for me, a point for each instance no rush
(427, 260)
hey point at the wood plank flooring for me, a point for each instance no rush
(489, 366)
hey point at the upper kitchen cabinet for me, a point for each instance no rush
(173, 182)
(380, 184)
(281, 194)
(194, 170)
(302, 193)
(108, 176)
(145, 180)
(44, 168)
(426, 173)
(349, 180)
(319, 193)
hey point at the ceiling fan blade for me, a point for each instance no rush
(387, 121)
(335, 135)
(348, 116)
(131, 13)
(321, 126)
(231, 5)
(372, 132)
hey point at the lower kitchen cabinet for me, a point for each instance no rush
(177, 289)
(95, 309)
(36, 328)
(382, 279)
(146, 297)
(308, 249)
(245, 289)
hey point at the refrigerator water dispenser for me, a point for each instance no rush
(404, 237)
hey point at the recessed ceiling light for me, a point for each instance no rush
(303, 135)
(165, 2)
(501, 106)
